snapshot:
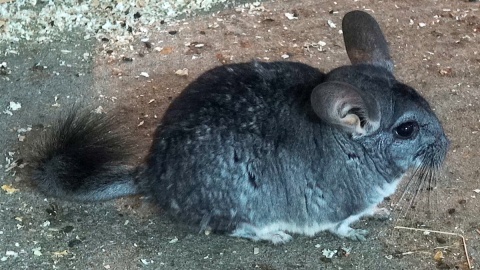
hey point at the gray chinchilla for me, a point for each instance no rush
(259, 150)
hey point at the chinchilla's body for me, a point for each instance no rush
(257, 150)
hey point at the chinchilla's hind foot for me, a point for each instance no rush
(255, 233)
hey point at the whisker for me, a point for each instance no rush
(430, 187)
(420, 183)
(423, 178)
(410, 181)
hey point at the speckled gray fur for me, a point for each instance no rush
(258, 150)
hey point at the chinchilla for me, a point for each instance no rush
(259, 150)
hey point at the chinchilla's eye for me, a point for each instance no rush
(407, 130)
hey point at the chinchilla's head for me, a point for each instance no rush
(393, 123)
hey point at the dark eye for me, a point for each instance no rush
(406, 130)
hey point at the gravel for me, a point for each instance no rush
(120, 20)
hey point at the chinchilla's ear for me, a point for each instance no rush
(364, 40)
(343, 105)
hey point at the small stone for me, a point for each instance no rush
(440, 240)
(331, 24)
(291, 16)
(37, 252)
(182, 72)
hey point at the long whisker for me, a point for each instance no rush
(407, 190)
(422, 178)
(419, 185)
(410, 182)
(431, 179)
(428, 179)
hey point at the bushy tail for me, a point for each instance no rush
(80, 159)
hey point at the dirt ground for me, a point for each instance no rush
(435, 45)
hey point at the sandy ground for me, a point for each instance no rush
(435, 45)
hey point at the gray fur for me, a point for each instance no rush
(254, 151)
(364, 40)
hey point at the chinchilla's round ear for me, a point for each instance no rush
(343, 105)
(364, 40)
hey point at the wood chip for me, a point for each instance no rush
(9, 189)
(166, 50)
(438, 256)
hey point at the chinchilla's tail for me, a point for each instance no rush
(80, 159)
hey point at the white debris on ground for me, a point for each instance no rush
(45, 20)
